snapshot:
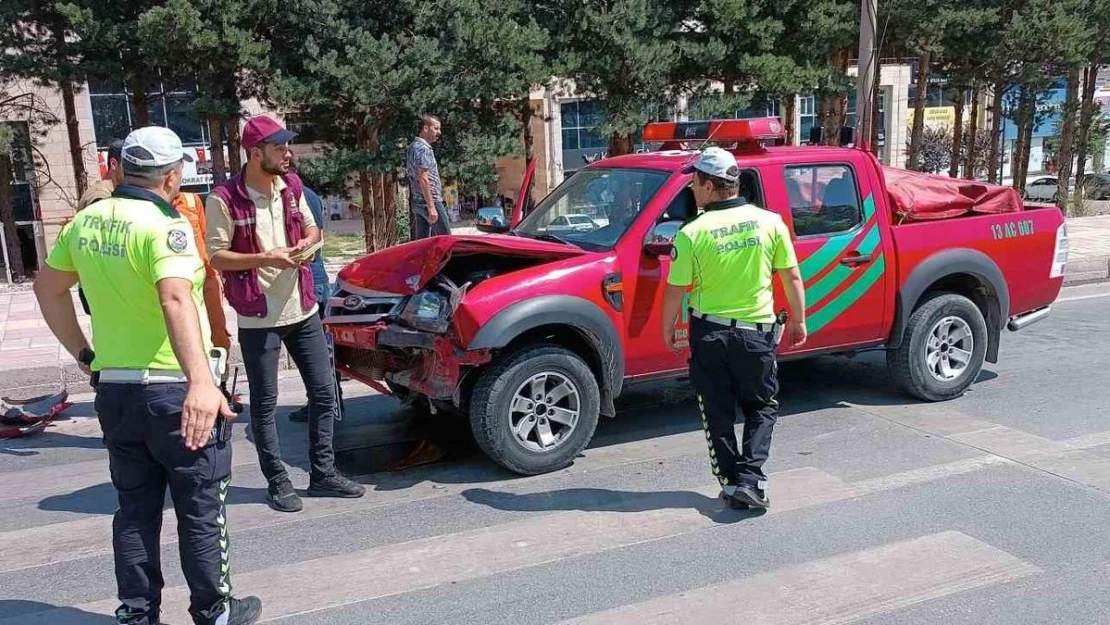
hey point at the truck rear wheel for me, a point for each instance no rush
(535, 409)
(943, 349)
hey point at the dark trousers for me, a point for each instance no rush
(735, 369)
(141, 426)
(308, 347)
(425, 229)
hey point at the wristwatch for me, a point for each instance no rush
(86, 356)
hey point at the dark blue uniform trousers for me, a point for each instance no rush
(734, 370)
(146, 452)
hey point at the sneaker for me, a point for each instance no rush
(335, 485)
(282, 497)
(300, 415)
(743, 497)
(243, 611)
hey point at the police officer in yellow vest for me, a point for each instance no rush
(726, 258)
(157, 398)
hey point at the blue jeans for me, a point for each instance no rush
(425, 229)
(308, 347)
(141, 426)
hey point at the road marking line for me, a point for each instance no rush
(1079, 298)
(630, 519)
(1058, 458)
(839, 589)
(1088, 441)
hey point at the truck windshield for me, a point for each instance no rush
(593, 208)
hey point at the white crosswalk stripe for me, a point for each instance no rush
(840, 589)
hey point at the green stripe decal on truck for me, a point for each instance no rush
(829, 312)
(834, 278)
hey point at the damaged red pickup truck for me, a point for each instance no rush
(533, 332)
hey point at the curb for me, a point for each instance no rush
(1087, 271)
(35, 381)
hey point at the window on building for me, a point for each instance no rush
(22, 173)
(580, 120)
(823, 199)
(114, 115)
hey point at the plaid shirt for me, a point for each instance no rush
(420, 156)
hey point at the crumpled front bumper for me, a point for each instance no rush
(425, 363)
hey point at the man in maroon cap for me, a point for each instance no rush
(258, 226)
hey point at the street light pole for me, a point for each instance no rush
(865, 84)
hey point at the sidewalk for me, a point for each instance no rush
(32, 360)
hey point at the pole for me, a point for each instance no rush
(865, 83)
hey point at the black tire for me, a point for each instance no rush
(908, 364)
(491, 419)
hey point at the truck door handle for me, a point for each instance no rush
(855, 258)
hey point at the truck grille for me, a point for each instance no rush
(350, 305)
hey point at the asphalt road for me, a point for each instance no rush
(993, 508)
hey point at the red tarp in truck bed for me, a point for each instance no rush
(915, 196)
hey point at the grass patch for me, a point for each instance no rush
(343, 245)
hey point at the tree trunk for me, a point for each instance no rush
(1067, 135)
(972, 139)
(994, 157)
(1086, 117)
(1025, 136)
(7, 219)
(957, 135)
(789, 109)
(216, 146)
(525, 115)
(137, 90)
(620, 144)
(834, 106)
(234, 146)
(73, 127)
(913, 158)
(365, 187)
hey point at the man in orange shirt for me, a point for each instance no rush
(191, 207)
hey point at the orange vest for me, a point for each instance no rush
(191, 208)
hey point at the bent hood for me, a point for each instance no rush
(405, 269)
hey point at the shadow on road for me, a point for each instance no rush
(101, 499)
(605, 500)
(58, 616)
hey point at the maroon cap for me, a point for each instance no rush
(263, 129)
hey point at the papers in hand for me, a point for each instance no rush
(308, 252)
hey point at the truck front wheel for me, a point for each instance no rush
(943, 349)
(535, 409)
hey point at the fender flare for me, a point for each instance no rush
(562, 310)
(948, 263)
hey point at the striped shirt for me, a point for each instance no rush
(418, 157)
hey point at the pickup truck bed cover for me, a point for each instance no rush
(915, 196)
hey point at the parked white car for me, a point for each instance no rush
(1041, 189)
(572, 223)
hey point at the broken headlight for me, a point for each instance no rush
(427, 311)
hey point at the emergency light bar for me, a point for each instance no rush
(721, 131)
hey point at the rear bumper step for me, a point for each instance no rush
(1023, 321)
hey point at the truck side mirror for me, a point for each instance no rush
(661, 240)
(491, 219)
